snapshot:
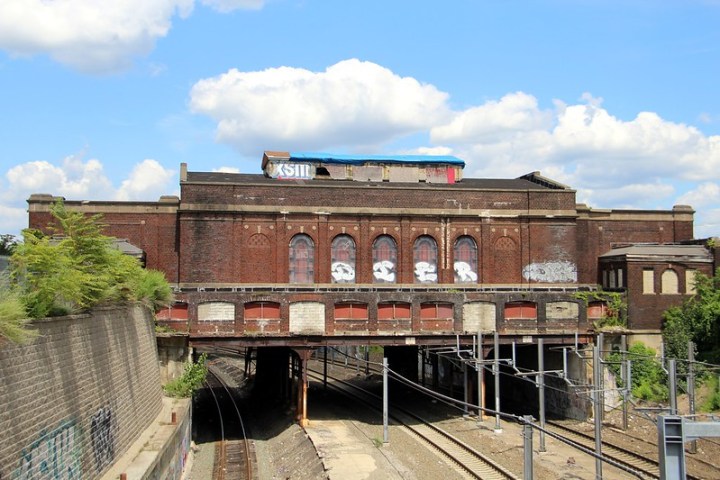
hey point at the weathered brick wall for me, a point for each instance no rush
(75, 398)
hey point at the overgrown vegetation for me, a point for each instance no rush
(13, 318)
(192, 378)
(7, 243)
(712, 401)
(616, 313)
(76, 270)
(649, 380)
(697, 319)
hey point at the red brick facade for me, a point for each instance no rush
(226, 244)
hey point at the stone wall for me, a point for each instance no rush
(74, 399)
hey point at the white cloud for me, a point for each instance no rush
(147, 181)
(76, 179)
(351, 103)
(225, 6)
(95, 36)
(226, 170)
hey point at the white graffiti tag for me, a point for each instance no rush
(384, 270)
(551, 272)
(464, 273)
(342, 272)
(425, 272)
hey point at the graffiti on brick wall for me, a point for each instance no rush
(551, 272)
(342, 272)
(102, 435)
(425, 272)
(54, 455)
(464, 272)
(384, 271)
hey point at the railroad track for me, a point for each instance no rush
(470, 462)
(234, 453)
(647, 467)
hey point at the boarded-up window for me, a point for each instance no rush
(178, 311)
(466, 260)
(425, 260)
(393, 311)
(262, 310)
(436, 310)
(479, 316)
(302, 259)
(620, 278)
(526, 310)
(351, 311)
(384, 253)
(506, 261)
(260, 259)
(648, 281)
(216, 312)
(669, 281)
(690, 282)
(597, 310)
(342, 259)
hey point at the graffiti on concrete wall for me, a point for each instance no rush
(54, 455)
(425, 272)
(464, 272)
(551, 272)
(102, 434)
(342, 272)
(384, 271)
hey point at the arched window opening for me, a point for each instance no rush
(466, 261)
(669, 281)
(425, 260)
(394, 311)
(342, 259)
(384, 253)
(521, 310)
(433, 311)
(351, 311)
(302, 259)
(262, 310)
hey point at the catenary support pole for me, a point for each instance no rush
(527, 448)
(601, 378)
(691, 389)
(325, 366)
(496, 372)
(672, 386)
(541, 391)
(479, 358)
(625, 380)
(466, 389)
(596, 412)
(386, 434)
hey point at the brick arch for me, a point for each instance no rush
(506, 261)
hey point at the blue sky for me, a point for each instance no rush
(617, 99)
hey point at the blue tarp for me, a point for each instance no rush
(362, 159)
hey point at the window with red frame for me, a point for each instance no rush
(302, 259)
(436, 310)
(262, 310)
(521, 310)
(384, 253)
(350, 311)
(393, 311)
(425, 260)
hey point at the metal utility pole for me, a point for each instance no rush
(479, 358)
(673, 386)
(496, 372)
(528, 448)
(625, 376)
(386, 434)
(541, 391)
(691, 389)
(597, 413)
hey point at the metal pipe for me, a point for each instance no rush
(496, 371)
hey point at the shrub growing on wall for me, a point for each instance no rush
(79, 269)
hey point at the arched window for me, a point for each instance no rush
(342, 259)
(669, 281)
(302, 259)
(465, 266)
(384, 253)
(425, 260)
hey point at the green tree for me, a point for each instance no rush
(7, 243)
(80, 269)
(697, 319)
(649, 380)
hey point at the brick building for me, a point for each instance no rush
(391, 250)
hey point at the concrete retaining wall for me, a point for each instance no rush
(75, 398)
